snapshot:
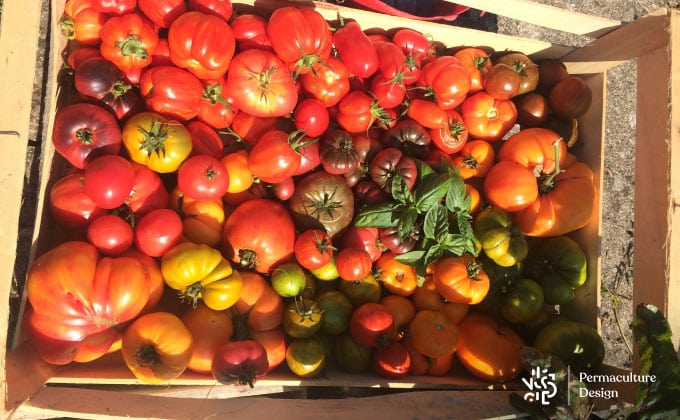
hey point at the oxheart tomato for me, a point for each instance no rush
(201, 43)
(262, 84)
(157, 347)
(250, 31)
(129, 42)
(115, 7)
(300, 37)
(84, 131)
(488, 350)
(242, 361)
(158, 142)
(356, 50)
(199, 271)
(75, 293)
(81, 22)
(162, 13)
(447, 79)
(259, 234)
(172, 92)
(219, 8)
(203, 177)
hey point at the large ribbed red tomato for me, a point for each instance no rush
(259, 234)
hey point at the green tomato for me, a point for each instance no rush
(288, 279)
(366, 290)
(328, 272)
(522, 301)
(576, 344)
(559, 265)
(500, 240)
(500, 278)
(350, 356)
(337, 309)
(306, 357)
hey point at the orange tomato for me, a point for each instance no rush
(210, 329)
(475, 159)
(157, 347)
(240, 176)
(274, 342)
(423, 365)
(202, 220)
(259, 305)
(153, 273)
(396, 277)
(488, 350)
(461, 279)
(403, 311)
(433, 334)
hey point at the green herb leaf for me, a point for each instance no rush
(430, 191)
(400, 190)
(377, 215)
(424, 170)
(456, 195)
(452, 242)
(436, 220)
(432, 254)
(407, 222)
(411, 257)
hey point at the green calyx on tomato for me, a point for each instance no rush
(154, 138)
(559, 265)
(133, 46)
(546, 181)
(500, 240)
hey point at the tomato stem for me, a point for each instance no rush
(247, 258)
(154, 138)
(67, 27)
(193, 292)
(85, 135)
(133, 46)
(147, 356)
(546, 182)
(119, 88)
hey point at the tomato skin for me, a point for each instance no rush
(162, 13)
(156, 141)
(461, 279)
(264, 85)
(209, 329)
(433, 334)
(121, 33)
(202, 220)
(84, 131)
(204, 139)
(396, 277)
(389, 161)
(475, 159)
(273, 158)
(70, 206)
(448, 80)
(403, 311)
(525, 67)
(371, 324)
(452, 137)
(157, 347)
(391, 361)
(488, 118)
(148, 191)
(560, 338)
(414, 44)
(201, 43)
(306, 357)
(478, 63)
(110, 234)
(259, 234)
(203, 177)
(427, 113)
(300, 37)
(313, 249)
(349, 356)
(242, 361)
(311, 116)
(328, 83)
(81, 22)
(172, 92)
(302, 318)
(502, 82)
(157, 232)
(108, 180)
(358, 111)
(366, 238)
(115, 7)
(239, 173)
(353, 264)
(220, 8)
(288, 279)
(356, 50)
(250, 31)
(259, 306)
(75, 293)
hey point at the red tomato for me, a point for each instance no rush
(353, 264)
(128, 42)
(216, 106)
(371, 324)
(248, 128)
(488, 118)
(81, 22)
(250, 31)
(161, 55)
(274, 157)
(393, 64)
(358, 111)
(80, 54)
(70, 206)
(391, 361)
(329, 82)
(219, 8)
(478, 63)
(284, 190)
(201, 43)
(75, 293)
(162, 12)
(448, 81)
(203, 177)
(158, 231)
(311, 116)
(259, 234)
(108, 180)
(356, 50)
(388, 94)
(205, 140)
(172, 92)
(242, 361)
(110, 234)
(299, 37)
(148, 191)
(310, 158)
(414, 44)
(115, 7)
(365, 238)
(262, 84)
(313, 249)
(427, 113)
(83, 131)
(452, 137)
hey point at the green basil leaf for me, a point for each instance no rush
(432, 254)
(400, 190)
(381, 215)
(430, 191)
(411, 257)
(453, 243)
(424, 170)
(436, 221)
(407, 222)
(456, 195)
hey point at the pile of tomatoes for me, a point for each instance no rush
(249, 190)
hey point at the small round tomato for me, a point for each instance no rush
(203, 177)
(329, 82)
(108, 180)
(371, 324)
(502, 82)
(302, 318)
(337, 309)
(475, 159)
(353, 263)
(452, 137)
(363, 237)
(391, 361)
(461, 279)
(110, 234)
(306, 357)
(158, 231)
(510, 186)
(313, 249)
(488, 118)
(327, 272)
(396, 277)
(350, 356)
(311, 116)
(288, 279)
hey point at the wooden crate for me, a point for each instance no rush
(105, 388)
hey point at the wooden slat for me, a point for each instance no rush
(19, 35)
(81, 403)
(545, 15)
(656, 260)
(626, 43)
